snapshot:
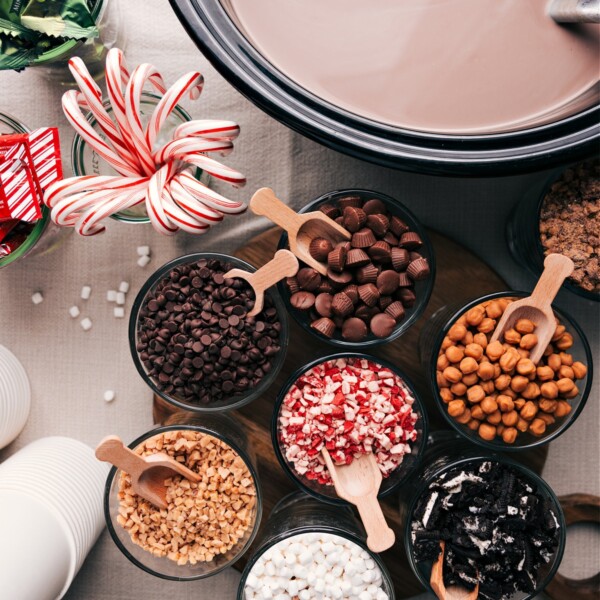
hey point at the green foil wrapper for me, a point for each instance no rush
(17, 53)
(70, 19)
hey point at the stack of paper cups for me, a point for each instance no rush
(15, 397)
(63, 484)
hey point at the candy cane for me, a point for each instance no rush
(209, 197)
(215, 168)
(181, 218)
(180, 147)
(154, 205)
(208, 129)
(191, 204)
(192, 84)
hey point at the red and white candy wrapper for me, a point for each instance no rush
(44, 147)
(161, 178)
(6, 227)
(19, 197)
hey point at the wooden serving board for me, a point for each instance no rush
(460, 276)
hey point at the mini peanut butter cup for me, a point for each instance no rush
(339, 279)
(387, 282)
(354, 218)
(418, 269)
(349, 201)
(374, 206)
(365, 312)
(323, 305)
(406, 296)
(324, 326)
(395, 310)
(390, 238)
(352, 292)
(308, 279)
(414, 255)
(354, 330)
(398, 226)
(382, 325)
(302, 300)
(404, 280)
(320, 248)
(369, 294)
(380, 252)
(325, 287)
(367, 274)
(410, 240)
(330, 211)
(384, 302)
(292, 284)
(400, 259)
(379, 224)
(341, 305)
(363, 238)
(336, 259)
(339, 221)
(357, 258)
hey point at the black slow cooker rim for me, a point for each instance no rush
(211, 28)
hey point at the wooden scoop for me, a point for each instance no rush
(453, 592)
(148, 473)
(537, 307)
(283, 264)
(359, 484)
(301, 229)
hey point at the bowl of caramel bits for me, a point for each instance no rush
(492, 392)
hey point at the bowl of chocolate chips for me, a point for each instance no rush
(193, 342)
(377, 284)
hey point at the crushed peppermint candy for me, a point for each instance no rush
(352, 406)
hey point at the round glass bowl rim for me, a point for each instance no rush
(308, 529)
(79, 144)
(151, 282)
(211, 27)
(422, 414)
(478, 459)
(421, 302)
(501, 446)
(157, 431)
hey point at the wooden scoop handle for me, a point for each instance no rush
(264, 203)
(111, 449)
(379, 535)
(557, 268)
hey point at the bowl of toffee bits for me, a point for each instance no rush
(193, 342)
(377, 284)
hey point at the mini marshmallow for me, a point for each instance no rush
(86, 324)
(143, 250)
(109, 396)
(119, 312)
(86, 292)
(124, 286)
(37, 298)
(143, 260)
(111, 296)
(74, 312)
(120, 298)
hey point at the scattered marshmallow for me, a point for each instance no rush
(74, 312)
(111, 296)
(310, 566)
(37, 298)
(86, 292)
(143, 250)
(143, 260)
(86, 324)
(109, 396)
(120, 298)
(119, 312)
(124, 287)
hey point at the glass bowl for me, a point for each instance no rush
(423, 289)
(391, 483)
(430, 341)
(235, 401)
(298, 514)
(86, 161)
(466, 459)
(223, 428)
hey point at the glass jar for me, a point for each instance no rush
(226, 430)
(446, 451)
(234, 401)
(523, 234)
(298, 514)
(54, 64)
(86, 161)
(430, 340)
(327, 493)
(45, 235)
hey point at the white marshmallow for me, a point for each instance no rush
(86, 324)
(119, 312)
(109, 396)
(120, 298)
(143, 250)
(86, 292)
(124, 286)
(37, 298)
(143, 260)
(111, 296)
(74, 312)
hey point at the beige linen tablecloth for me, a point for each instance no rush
(70, 369)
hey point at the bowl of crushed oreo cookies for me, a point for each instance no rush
(193, 342)
(502, 528)
(378, 282)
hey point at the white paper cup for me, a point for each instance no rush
(66, 477)
(15, 397)
(37, 555)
